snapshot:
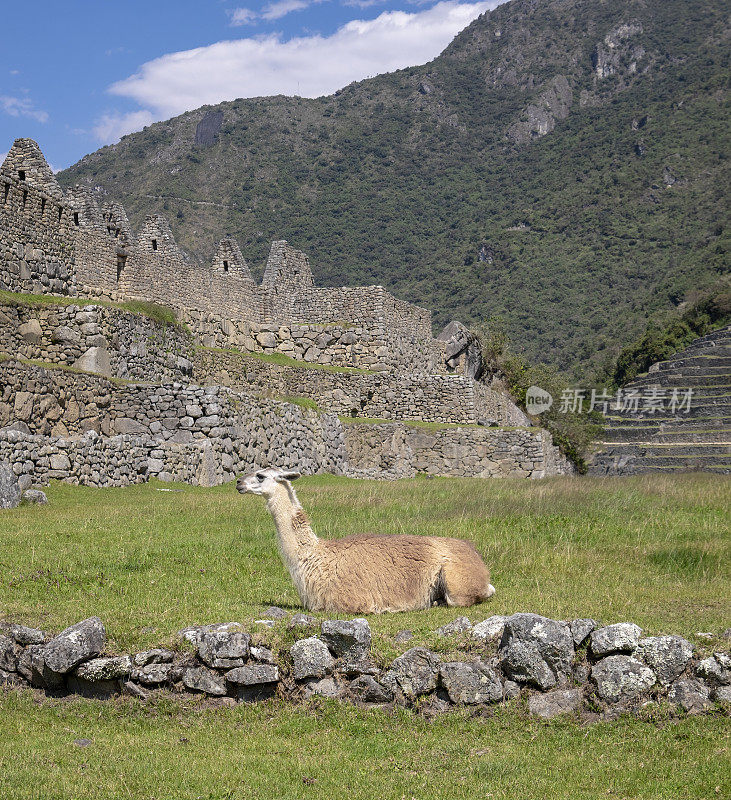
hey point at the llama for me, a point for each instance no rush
(367, 574)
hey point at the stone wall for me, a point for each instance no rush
(96, 338)
(380, 395)
(400, 451)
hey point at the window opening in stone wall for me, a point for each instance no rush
(154, 244)
(76, 217)
(121, 261)
(21, 174)
(7, 193)
(25, 197)
(43, 206)
(60, 213)
(225, 266)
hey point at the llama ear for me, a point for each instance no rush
(290, 475)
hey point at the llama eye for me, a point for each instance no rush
(259, 477)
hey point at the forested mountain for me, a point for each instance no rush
(562, 164)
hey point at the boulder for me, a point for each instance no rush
(311, 659)
(104, 669)
(30, 332)
(667, 656)
(224, 649)
(78, 643)
(201, 679)
(25, 636)
(581, 628)
(9, 489)
(716, 669)
(414, 673)
(456, 626)
(536, 650)
(274, 612)
(66, 336)
(490, 628)
(367, 689)
(691, 695)
(551, 704)
(156, 674)
(722, 694)
(620, 638)
(155, 656)
(403, 636)
(263, 655)
(470, 683)
(253, 675)
(35, 497)
(8, 654)
(348, 640)
(619, 678)
(60, 462)
(95, 359)
(325, 687)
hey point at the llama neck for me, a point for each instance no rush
(295, 537)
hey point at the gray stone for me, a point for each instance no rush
(511, 689)
(667, 656)
(459, 625)
(201, 679)
(60, 461)
(155, 656)
(127, 425)
(470, 683)
(78, 643)
(253, 675)
(156, 674)
(722, 694)
(325, 687)
(32, 666)
(24, 483)
(30, 332)
(9, 489)
(35, 497)
(133, 690)
(536, 650)
(95, 359)
(224, 649)
(691, 695)
(311, 659)
(716, 669)
(25, 636)
(10, 678)
(490, 628)
(619, 678)
(551, 704)
(623, 637)
(104, 669)
(263, 655)
(302, 622)
(8, 654)
(274, 612)
(367, 689)
(414, 673)
(403, 636)
(66, 336)
(581, 628)
(348, 640)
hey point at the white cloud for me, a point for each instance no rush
(21, 107)
(308, 66)
(110, 128)
(243, 16)
(282, 8)
(3, 156)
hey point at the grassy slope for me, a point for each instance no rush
(381, 183)
(652, 550)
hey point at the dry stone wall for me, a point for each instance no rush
(97, 338)
(400, 450)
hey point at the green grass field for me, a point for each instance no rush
(653, 550)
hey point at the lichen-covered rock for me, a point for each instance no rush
(619, 678)
(156, 674)
(224, 649)
(459, 625)
(9, 652)
(722, 694)
(367, 689)
(104, 669)
(32, 666)
(311, 659)
(536, 650)
(9, 489)
(511, 689)
(253, 675)
(201, 679)
(262, 654)
(691, 695)
(403, 636)
(581, 628)
(490, 628)
(551, 704)
(716, 669)
(349, 640)
(667, 656)
(325, 687)
(155, 656)
(414, 673)
(623, 637)
(78, 643)
(303, 623)
(25, 636)
(468, 684)
(34, 497)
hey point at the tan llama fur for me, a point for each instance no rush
(367, 574)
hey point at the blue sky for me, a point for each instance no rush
(79, 74)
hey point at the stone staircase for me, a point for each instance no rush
(671, 440)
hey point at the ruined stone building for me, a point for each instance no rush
(96, 386)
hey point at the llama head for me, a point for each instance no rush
(264, 481)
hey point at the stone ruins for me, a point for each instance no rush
(98, 387)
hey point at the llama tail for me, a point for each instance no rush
(490, 590)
